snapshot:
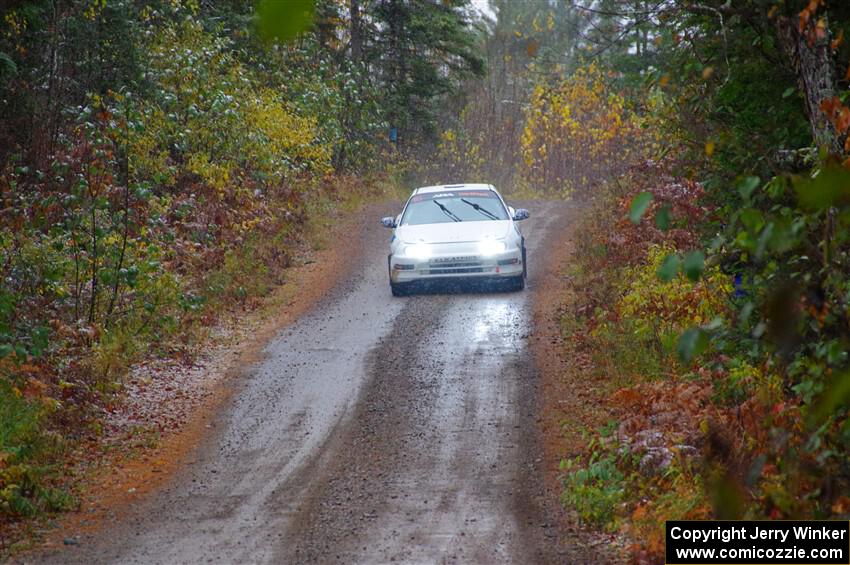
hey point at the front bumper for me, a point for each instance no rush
(450, 264)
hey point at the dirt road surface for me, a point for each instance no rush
(376, 430)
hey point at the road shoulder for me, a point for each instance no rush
(569, 401)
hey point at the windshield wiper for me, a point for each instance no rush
(478, 208)
(446, 211)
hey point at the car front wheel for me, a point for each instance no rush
(517, 283)
(524, 266)
(399, 289)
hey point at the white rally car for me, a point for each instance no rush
(463, 231)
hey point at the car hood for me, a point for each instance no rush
(454, 232)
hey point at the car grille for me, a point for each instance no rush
(458, 265)
(455, 270)
(455, 265)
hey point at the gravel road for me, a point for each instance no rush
(376, 430)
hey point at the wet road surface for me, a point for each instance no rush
(376, 430)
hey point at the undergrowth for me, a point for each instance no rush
(729, 391)
(638, 471)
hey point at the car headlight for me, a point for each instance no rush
(418, 251)
(490, 247)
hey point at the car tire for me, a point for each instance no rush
(524, 264)
(518, 283)
(399, 289)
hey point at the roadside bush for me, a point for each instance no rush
(630, 320)
(618, 353)
(658, 311)
(24, 447)
(212, 119)
(594, 489)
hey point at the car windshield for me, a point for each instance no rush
(454, 206)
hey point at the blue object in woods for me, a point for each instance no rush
(739, 286)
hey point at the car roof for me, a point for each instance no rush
(462, 186)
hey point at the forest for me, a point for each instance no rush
(161, 162)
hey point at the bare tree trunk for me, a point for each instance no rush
(396, 74)
(94, 258)
(48, 129)
(125, 180)
(356, 31)
(638, 43)
(813, 66)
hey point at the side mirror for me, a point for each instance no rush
(388, 222)
(521, 214)
(511, 211)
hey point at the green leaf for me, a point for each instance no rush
(39, 340)
(745, 240)
(279, 20)
(836, 395)
(752, 219)
(765, 237)
(788, 92)
(691, 344)
(746, 312)
(5, 350)
(835, 353)
(693, 264)
(831, 187)
(776, 187)
(21, 352)
(748, 186)
(7, 65)
(639, 205)
(669, 268)
(662, 217)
